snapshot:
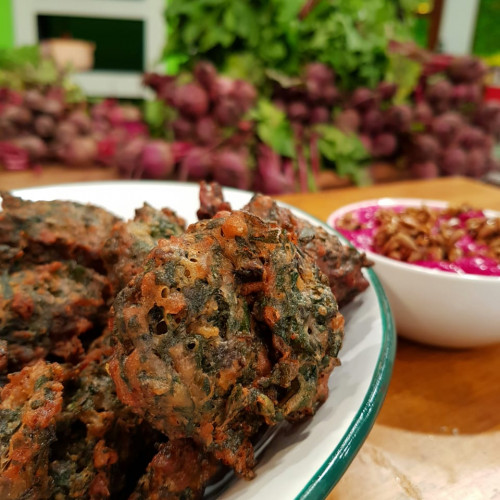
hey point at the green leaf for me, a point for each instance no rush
(405, 73)
(273, 128)
(345, 151)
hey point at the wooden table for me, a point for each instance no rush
(438, 434)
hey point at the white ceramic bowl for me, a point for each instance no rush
(432, 306)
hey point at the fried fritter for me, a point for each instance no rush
(211, 200)
(30, 403)
(229, 328)
(130, 242)
(43, 231)
(44, 310)
(179, 471)
(342, 264)
(101, 445)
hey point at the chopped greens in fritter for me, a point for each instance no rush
(43, 231)
(45, 309)
(229, 328)
(216, 333)
(30, 404)
(130, 242)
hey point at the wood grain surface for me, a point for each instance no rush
(438, 433)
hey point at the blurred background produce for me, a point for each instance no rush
(275, 96)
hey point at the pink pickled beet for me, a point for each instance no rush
(196, 165)
(191, 100)
(157, 160)
(231, 169)
(453, 161)
(425, 170)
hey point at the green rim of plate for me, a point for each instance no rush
(329, 474)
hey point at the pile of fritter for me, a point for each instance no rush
(139, 358)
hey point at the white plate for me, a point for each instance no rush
(303, 461)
